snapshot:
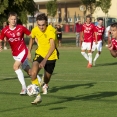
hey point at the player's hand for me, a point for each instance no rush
(110, 46)
(42, 64)
(96, 42)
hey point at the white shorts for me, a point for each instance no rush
(22, 57)
(86, 46)
(98, 46)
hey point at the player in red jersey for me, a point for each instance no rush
(87, 39)
(113, 45)
(100, 31)
(15, 36)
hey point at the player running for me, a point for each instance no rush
(100, 31)
(46, 54)
(87, 40)
(15, 36)
(112, 46)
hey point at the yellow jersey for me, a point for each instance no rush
(43, 40)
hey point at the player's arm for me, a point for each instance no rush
(0, 45)
(31, 42)
(109, 37)
(51, 50)
(2, 36)
(113, 52)
(95, 34)
(82, 36)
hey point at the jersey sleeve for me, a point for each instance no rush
(2, 35)
(82, 28)
(26, 31)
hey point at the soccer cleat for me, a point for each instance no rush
(23, 92)
(89, 65)
(37, 100)
(93, 63)
(45, 89)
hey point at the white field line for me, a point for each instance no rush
(83, 81)
(61, 80)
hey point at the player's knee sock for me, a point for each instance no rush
(90, 58)
(21, 78)
(96, 56)
(36, 82)
(85, 56)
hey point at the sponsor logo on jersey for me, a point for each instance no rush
(18, 34)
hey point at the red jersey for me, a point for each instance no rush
(88, 30)
(100, 32)
(114, 43)
(15, 37)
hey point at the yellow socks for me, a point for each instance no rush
(36, 82)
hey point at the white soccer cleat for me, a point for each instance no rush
(23, 92)
(93, 63)
(37, 100)
(45, 89)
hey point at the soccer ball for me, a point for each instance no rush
(32, 90)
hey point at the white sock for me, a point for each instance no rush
(21, 78)
(96, 56)
(90, 58)
(38, 77)
(85, 56)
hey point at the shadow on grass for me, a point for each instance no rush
(98, 96)
(106, 64)
(55, 89)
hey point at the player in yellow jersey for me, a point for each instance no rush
(46, 53)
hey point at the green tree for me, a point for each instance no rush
(51, 7)
(21, 7)
(90, 5)
(104, 5)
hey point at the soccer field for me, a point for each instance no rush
(74, 90)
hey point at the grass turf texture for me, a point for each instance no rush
(74, 90)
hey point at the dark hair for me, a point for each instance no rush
(99, 19)
(88, 16)
(12, 14)
(41, 17)
(114, 25)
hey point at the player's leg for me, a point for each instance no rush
(94, 46)
(27, 69)
(48, 70)
(18, 62)
(99, 49)
(83, 48)
(34, 71)
(5, 44)
(76, 39)
(20, 76)
(89, 46)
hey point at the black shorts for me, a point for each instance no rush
(49, 66)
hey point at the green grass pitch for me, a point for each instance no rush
(74, 90)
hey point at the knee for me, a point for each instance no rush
(33, 74)
(15, 67)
